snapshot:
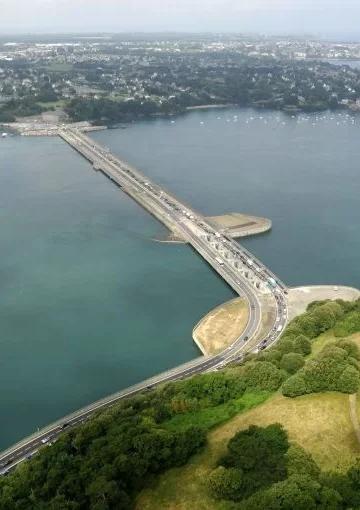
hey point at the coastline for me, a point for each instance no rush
(211, 106)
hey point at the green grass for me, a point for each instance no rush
(212, 416)
(330, 338)
(53, 104)
(319, 422)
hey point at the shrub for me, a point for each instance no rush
(285, 345)
(348, 325)
(332, 370)
(351, 348)
(292, 362)
(334, 352)
(294, 386)
(302, 345)
(349, 380)
(299, 461)
(263, 376)
(204, 390)
(298, 492)
(272, 356)
(258, 454)
(226, 483)
(319, 318)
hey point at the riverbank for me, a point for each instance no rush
(210, 106)
(300, 297)
(37, 127)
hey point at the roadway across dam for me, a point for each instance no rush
(245, 274)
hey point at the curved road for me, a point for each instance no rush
(239, 268)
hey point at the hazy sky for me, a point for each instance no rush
(322, 17)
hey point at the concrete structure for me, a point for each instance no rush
(234, 225)
(240, 225)
(240, 269)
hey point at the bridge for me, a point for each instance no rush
(243, 272)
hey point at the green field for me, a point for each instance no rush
(319, 422)
(53, 104)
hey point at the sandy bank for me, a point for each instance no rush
(300, 297)
(221, 327)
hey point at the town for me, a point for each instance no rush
(118, 78)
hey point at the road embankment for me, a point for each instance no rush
(221, 326)
(225, 323)
(234, 225)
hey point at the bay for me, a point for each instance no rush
(89, 303)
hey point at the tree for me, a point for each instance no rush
(263, 376)
(350, 347)
(259, 454)
(226, 483)
(285, 345)
(302, 345)
(298, 492)
(292, 362)
(343, 485)
(272, 356)
(299, 461)
(349, 380)
(294, 386)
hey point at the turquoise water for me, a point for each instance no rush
(90, 304)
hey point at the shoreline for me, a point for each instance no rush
(38, 128)
(298, 300)
(211, 106)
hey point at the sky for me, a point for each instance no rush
(317, 17)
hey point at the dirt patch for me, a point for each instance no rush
(300, 297)
(221, 327)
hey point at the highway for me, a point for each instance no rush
(245, 274)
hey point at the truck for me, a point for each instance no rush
(272, 282)
(219, 261)
(279, 328)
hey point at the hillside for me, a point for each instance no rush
(192, 444)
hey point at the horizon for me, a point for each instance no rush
(268, 17)
(102, 34)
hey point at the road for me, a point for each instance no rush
(247, 276)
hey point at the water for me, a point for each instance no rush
(355, 64)
(89, 304)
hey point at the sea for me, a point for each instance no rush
(91, 302)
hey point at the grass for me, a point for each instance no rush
(329, 337)
(319, 422)
(222, 326)
(53, 104)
